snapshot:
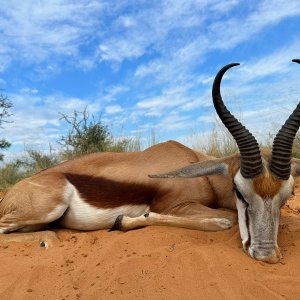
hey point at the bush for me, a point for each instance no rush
(34, 161)
(11, 174)
(5, 105)
(218, 142)
(86, 135)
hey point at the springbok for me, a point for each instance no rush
(114, 190)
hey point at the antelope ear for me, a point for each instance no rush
(295, 170)
(204, 168)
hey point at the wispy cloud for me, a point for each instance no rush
(145, 31)
(37, 118)
(113, 109)
(225, 33)
(157, 106)
(146, 64)
(277, 62)
(231, 32)
(35, 31)
(111, 93)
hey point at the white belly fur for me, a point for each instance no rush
(83, 216)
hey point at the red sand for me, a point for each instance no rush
(149, 263)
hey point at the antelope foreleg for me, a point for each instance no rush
(125, 223)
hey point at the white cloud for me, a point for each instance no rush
(113, 109)
(111, 93)
(2, 83)
(274, 63)
(150, 27)
(28, 90)
(229, 33)
(117, 49)
(272, 11)
(174, 121)
(36, 119)
(224, 34)
(126, 21)
(156, 106)
(34, 31)
(37, 31)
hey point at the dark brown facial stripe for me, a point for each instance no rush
(104, 193)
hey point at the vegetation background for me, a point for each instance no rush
(88, 135)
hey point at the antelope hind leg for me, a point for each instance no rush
(26, 223)
(33, 203)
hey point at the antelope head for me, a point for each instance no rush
(261, 183)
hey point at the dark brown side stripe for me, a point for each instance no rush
(104, 193)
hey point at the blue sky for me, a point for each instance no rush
(146, 66)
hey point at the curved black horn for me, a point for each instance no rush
(280, 164)
(251, 163)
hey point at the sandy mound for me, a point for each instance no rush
(149, 263)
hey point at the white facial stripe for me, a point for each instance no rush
(244, 185)
(255, 204)
(284, 192)
(242, 218)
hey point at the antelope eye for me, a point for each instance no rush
(240, 196)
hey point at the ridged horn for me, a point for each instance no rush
(251, 163)
(280, 164)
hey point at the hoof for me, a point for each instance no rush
(118, 223)
(42, 244)
(225, 223)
